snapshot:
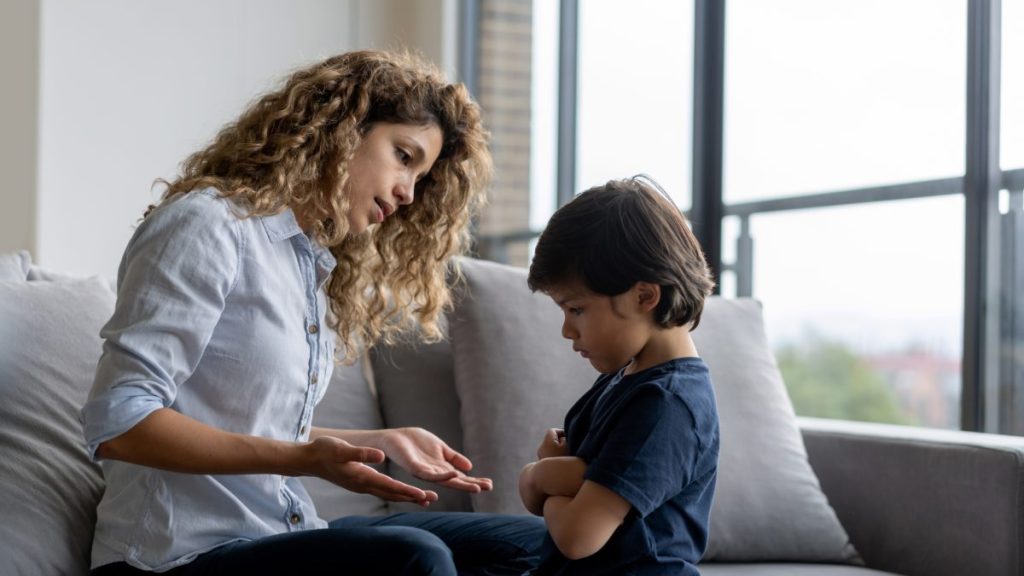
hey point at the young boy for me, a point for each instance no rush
(628, 488)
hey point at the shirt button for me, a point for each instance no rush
(314, 378)
(302, 430)
(294, 519)
(313, 329)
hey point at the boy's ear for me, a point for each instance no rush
(648, 295)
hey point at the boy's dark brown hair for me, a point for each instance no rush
(626, 231)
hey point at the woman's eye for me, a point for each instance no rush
(403, 156)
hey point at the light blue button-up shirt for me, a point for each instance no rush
(222, 319)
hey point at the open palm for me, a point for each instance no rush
(427, 457)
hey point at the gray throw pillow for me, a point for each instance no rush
(516, 376)
(49, 489)
(415, 384)
(514, 373)
(768, 503)
(349, 403)
(14, 266)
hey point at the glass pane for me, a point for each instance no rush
(544, 121)
(517, 91)
(866, 319)
(634, 94)
(842, 94)
(1012, 99)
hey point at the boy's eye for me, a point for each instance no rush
(575, 311)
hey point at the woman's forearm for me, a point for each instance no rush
(169, 440)
(371, 438)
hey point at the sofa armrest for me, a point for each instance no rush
(924, 502)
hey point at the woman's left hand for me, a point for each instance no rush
(427, 457)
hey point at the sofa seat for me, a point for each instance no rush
(787, 569)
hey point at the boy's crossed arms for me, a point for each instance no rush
(581, 515)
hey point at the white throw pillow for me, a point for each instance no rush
(14, 266)
(49, 346)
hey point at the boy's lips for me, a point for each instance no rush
(583, 353)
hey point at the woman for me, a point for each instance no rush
(329, 209)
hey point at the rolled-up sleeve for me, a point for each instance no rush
(177, 272)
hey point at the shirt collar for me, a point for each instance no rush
(325, 263)
(281, 226)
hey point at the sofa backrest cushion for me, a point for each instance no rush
(14, 266)
(416, 387)
(516, 376)
(49, 489)
(769, 504)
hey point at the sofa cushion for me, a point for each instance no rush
(14, 266)
(348, 403)
(516, 376)
(769, 504)
(780, 569)
(49, 488)
(415, 385)
(40, 274)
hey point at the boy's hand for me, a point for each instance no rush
(553, 445)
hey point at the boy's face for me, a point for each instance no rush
(606, 330)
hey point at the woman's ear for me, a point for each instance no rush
(648, 295)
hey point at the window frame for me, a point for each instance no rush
(992, 394)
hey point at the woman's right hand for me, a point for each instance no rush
(169, 440)
(341, 463)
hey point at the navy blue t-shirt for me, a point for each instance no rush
(652, 438)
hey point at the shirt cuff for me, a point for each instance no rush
(114, 412)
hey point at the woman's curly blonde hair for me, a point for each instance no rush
(291, 149)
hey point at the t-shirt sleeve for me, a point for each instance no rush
(651, 451)
(173, 283)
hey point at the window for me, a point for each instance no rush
(848, 185)
(866, 319)
(1012, 100)
(635, 93)
(842, 94)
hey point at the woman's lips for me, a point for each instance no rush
(383, 210)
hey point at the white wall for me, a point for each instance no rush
(129, 88)
(19, 68)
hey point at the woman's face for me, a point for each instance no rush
(384, 169)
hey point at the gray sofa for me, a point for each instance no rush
(795, 496)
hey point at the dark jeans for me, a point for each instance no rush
(413, 544)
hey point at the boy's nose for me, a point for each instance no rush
(567, 332)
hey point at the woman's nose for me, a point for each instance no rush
(405, 191)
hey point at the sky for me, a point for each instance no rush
(820, 96)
